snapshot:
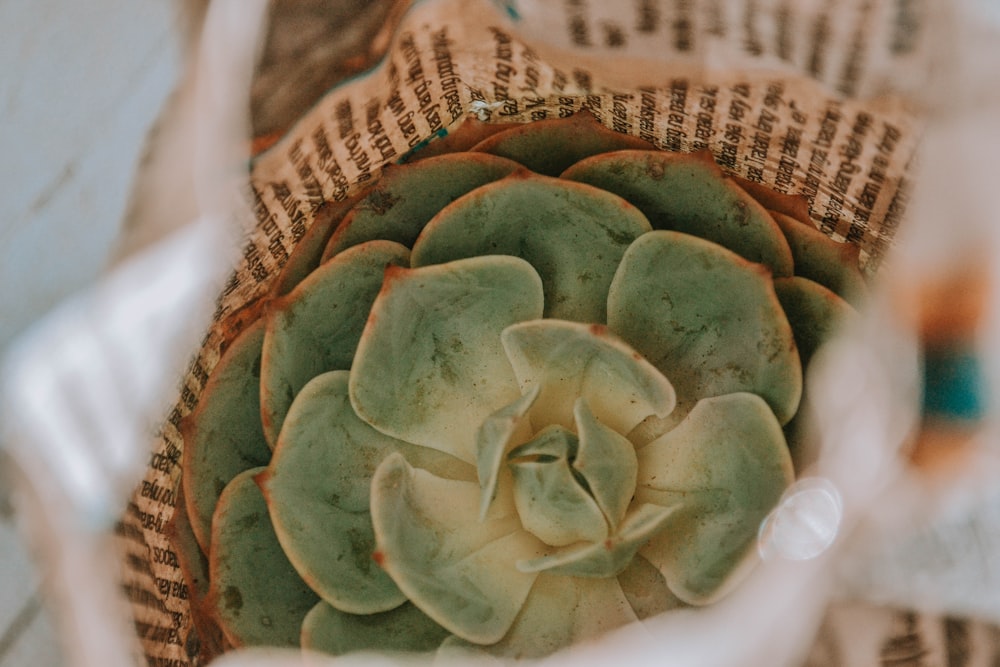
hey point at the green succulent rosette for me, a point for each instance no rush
(511, 397)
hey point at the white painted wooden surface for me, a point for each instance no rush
(81, 84)
(80, 87)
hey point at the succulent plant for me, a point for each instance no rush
(512, 396)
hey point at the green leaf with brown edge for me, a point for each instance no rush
(816, 313)
(821, 259)
(308, 251)
(430, 366)
(494, 437)
(572, 360)
(646, 589)
(223, 436)
(795, 206)
(317, 490)
(708, 319)
(317, 326)
(193, 565)
(257, 596)
(403, 629)
(689, 193)
(550, 146)
(572, 234)
(406, 198)
(723, 469)
(607, 461)
(608, 557)
(560, 611)
(553, 505)
(457, 569)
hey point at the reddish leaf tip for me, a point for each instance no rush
(261, 479)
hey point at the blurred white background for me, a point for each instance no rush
(82, 86)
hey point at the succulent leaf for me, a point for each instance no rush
(192, 559)
(560, 611)
(690, 194)
(815, 313)
(550, 146)
(430, 367)
(458, 570)
(553, 504)
(317, 489)
(569, 360)
(223, 436)
(194, 566)
(607, 461)
(310, 248)
(405, 199)
(574, 235)
(405, 628)
(823, 260)
(253, 610)
(792, 205)
(494, 437)
(708, 319)
(607, 557)
(646, 589)
(569, 406)
(317, 326)
(724, 468)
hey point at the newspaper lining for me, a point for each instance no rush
(800, 114)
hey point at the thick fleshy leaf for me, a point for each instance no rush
(723, 469)
(609, 557)
(318, 488)
(830, 263)
(550, 146)
(708, 319)
(646, 589)
(223, 436)
(308, 251)
(404, 628)
(316, 327)
(552, 503)
(607, 461)
(560, 611)
(689, 193)
(193, 561)
(504, 427)
(793, 205)
(430, 366)
(258, 597)
(574, 235)
(570, 360)
(456, 569)
(194, 567)
(815, 313)
(406, 198)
